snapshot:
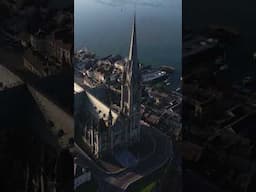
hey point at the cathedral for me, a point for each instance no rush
(110, 126)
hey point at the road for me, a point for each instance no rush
(121, 181)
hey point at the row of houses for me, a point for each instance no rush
(47, 53)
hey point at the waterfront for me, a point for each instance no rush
(105, 26)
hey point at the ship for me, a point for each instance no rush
(153, 76)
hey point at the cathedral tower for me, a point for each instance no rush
(131, 90)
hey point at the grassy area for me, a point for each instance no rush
(148, 188)
(149, 182)
(87, 187)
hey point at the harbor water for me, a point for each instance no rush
(104, 26)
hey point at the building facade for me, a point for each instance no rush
(113, 122)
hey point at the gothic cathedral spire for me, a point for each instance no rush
(131, 74)
(133, 57)
(133, 42)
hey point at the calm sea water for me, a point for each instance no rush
(104, 26)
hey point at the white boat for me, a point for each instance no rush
(153, 76)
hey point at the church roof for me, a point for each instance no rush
(97, 102)
(105, 95)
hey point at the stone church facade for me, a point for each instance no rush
(110, 127)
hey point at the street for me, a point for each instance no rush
(121, 181)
